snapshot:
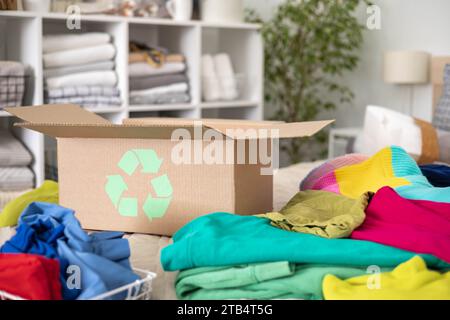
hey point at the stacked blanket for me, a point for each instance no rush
(15, 175)
(361, 228)
(80, 69)
(156, 76)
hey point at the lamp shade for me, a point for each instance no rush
(406, 67)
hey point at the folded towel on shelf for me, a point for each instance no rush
(87, 100)
(63, 71)
(142, 83)
(222, 239)
(16, 178)
(79, 56)
(95, 78)
(273, 280)
(173, 88)
(226, 77)
(12, 68)
(142, 69)
(210, 82)
(81, 91)
(12, 151)
(53, 231)
(135, 57)
(62, 42)
(410, 280)
(164, 98)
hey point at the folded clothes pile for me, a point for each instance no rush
(82, 265)
(156, 76)
(15, 175)
(361, 228)
(80, 69)
(219, 81)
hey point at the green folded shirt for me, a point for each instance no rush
(276, 280)
(224, 239)
(322, 213)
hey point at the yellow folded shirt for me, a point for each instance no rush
(48, 192)
(408, 281)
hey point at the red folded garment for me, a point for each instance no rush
(415, 225)
(30, 276)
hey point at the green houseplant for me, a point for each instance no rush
(309, 45)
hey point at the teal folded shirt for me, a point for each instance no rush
(223, 239)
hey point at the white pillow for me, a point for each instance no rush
(384, 127)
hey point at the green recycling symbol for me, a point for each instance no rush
(148, 161)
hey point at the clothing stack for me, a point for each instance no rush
(80, 69)
(157, 76)
(15, 174)
(360, 228)
(57, 258)
(219, 81)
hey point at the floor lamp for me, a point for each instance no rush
(407, 68)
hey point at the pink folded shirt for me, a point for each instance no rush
(415, 225)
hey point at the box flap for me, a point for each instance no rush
(71, 121)
(57, 114)
(285, 130)
(223, 126)
(111, 131)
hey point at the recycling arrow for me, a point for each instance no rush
(150, 163)
(148, 159)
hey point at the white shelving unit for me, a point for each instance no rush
(21, 40)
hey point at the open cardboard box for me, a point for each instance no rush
(136, 177)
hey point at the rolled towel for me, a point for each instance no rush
(79, 56)
(96, 66)
(174, 88)
(210, 82)
(226, 76)
(142, 83)
(12, 151)
(80, 91)
(142, 69)
(61, 42)
(95, 78)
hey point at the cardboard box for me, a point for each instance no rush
(129, 177)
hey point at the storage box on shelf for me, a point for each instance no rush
(21, 40)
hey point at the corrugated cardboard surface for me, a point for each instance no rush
(84, 165)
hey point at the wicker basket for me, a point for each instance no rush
(12, 91)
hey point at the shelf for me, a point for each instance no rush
(136, 20)
(162, 107)
(229, 104)
(241, 41)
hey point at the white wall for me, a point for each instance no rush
(405, 24)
